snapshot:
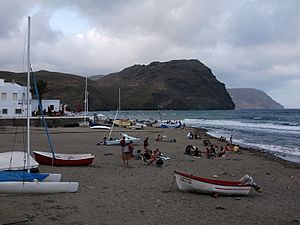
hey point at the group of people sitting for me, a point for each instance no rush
(147, 155)
(210, 151)
(222, 138)
(190, 135)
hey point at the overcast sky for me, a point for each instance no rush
(246, 43)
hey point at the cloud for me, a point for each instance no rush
(247, 43)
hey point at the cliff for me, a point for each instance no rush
(250, 98)
(177, 84)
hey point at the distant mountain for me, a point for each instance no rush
(250, 98)
(96, 77)
(177, 84)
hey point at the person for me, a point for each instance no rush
(104, 140)
(197, 153)
(188, 150)
(230, 139)
(125, 152)
(222, 152)
(146, 144)
(158, 138)
(123, 144)
(190, 135)
(131, 148)
(153, 157)
(236, 148)
(212, 150)
(209, 153)
(228, 147)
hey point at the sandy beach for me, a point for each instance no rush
(111, 194)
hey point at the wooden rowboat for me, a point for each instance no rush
(189, 182)
(46, 158)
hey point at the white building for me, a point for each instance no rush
(13, 100)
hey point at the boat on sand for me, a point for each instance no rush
(189, 182)
(46, 158)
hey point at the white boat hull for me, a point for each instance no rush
(19, 187)
(53, 177)
(127, 140)
(186, 183)
(101, 127)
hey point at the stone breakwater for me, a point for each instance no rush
(38, 122)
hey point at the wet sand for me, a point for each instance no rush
(111, 194)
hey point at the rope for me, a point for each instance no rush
(43, 117)
(171, 187)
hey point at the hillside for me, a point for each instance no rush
(250, 98)
(68, 88)
(177, 84)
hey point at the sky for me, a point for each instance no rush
(246, 43)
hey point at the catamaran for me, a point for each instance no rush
(22, 182)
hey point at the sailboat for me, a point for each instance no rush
(85, 123)
(116, 141)
(23, 182)
(57, 159)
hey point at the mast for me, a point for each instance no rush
(119, 99)
(28, 92)
(118, 109)
(85, 100)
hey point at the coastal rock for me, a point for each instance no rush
(177, 84)
(250, 98)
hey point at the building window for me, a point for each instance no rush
(15, 96)
(18, 111)
(4, 111)
(3, 96)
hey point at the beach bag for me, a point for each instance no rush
(159, 162)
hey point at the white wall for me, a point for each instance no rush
(13, 100)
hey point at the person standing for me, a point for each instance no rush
(146, 144)
(125, 152)
(131, 148)
(231, 139)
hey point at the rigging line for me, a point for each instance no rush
(42, 113)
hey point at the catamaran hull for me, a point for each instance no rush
(188, 182)
(45, 158)
(19, 187)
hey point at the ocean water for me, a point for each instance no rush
(274, 131)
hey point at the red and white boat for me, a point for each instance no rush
(189, 182)
(46, 158)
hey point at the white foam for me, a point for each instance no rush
(235, 124)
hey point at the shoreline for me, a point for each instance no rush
(111, 194)
(261, 150)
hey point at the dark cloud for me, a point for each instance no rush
(247, 43)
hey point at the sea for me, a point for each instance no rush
(273, 131)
